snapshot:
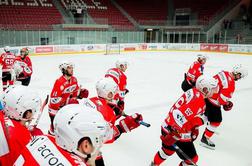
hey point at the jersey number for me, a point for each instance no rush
(188, 112)
(9, 61)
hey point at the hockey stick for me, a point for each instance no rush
(40, 112)
(183, 154)
(140, 122)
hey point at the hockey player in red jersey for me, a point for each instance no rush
(106, 89)
(20, 106)
(7, 61)
(222, 98)
(65, 91)
(195, 70)
(180, 128)
(79, 133)
(118, 75)
(25, 62)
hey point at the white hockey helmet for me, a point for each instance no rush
(74, 122)
(207, 85)
(202, 56)
(120, 62)
(7, 48)
(17, 99)
(239, 69)
(64, 65)
(105, 86)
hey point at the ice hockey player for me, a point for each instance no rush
(65, 91)
(118, 75)
(79, 133)
(195, 70)
(106, 89)
(7, 61)
(21, 104)
(180, 128)
(24, 76)
(222, 98)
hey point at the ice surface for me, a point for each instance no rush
(154, 81)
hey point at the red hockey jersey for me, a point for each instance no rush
(187, 108)
(106, 111)
(195, 70)
(226, 88)
(120, 79)
(62, 91)
(7, 60)
(18, 136)
(43, 150)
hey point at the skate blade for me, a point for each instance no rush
(207, 146)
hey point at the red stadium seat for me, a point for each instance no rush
(104, 13)
(27, 17)
(206, 9)
(146, 10)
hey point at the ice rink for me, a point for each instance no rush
(154, 81)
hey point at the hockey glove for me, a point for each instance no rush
(168, 140)
(195, 133)
(130, 122)
(228, 106)
(83, 93)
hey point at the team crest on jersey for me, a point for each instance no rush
(55, 100)
(70, 89)
(179, 117)
(27, 70)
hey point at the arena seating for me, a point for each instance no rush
(42, 14)
(103, 12)
(28, 15)
(205, 9)
(145, 11)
